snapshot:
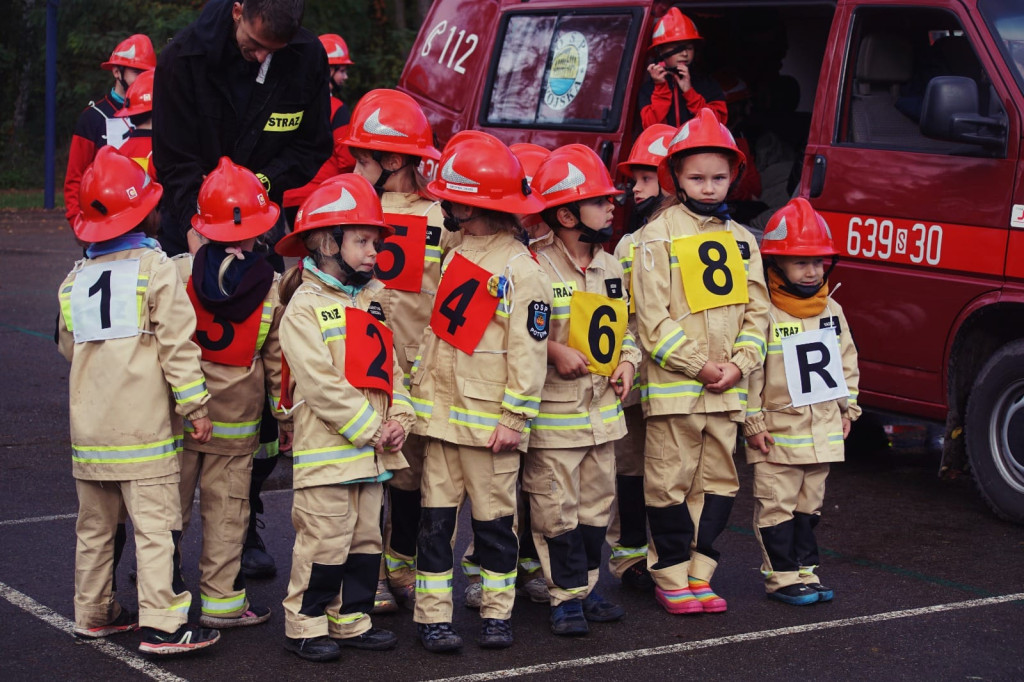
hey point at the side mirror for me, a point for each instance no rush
(951, 112)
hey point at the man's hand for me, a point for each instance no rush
(503, 439)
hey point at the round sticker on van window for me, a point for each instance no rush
(568, 68)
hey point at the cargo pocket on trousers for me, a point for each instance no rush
(540, 485)
(231, 526)
(157, 505)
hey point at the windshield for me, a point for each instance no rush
(1006, 18)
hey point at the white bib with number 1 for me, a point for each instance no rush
(103, 301)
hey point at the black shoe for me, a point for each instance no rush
(794, 595)
(638, 578)
(495, 634)
(567, 619)
(320, 649)
(126, 621)
(597, 610)
(439, 637)
(185, 639)
(256, 563)
(824, 593)
(373, 639)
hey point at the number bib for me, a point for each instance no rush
(463, 307)
(597, 325)
(221, 340)
(117, 131)
(104, 301)
(369, 352)
(814, 367)
(712, 270)
(400, 261)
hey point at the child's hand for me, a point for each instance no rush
(846, 427)
(503, 439)
(284, 440)
(657, 72)
(569, 362)
(392, 436)
(682, 75)
(710, 373)
(622, 379)
(202, 430)
(730, 375)
(761, 441)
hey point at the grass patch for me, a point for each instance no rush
(20, 199)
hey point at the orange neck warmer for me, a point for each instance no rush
(792, 304)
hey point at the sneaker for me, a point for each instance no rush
(536, 589)
(183, 640)
(405, 596)
(567, 619)
(638, 578)
(126, 621)
(824, 593)
(319, 649)
(678, 601)
(253, 616)
(794, 595)
(439, 637)
(256, 562)
(597, 610)
(474, 595)
(373, 639)
(709, 601)
(496, 633)
(383, 600)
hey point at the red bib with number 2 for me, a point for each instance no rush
(463, 307)
(369, 351)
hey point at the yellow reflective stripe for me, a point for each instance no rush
(434, 584)
(473, 418)
(545, 421)
(753, 340)
(664, 348)
(65, 305)
(183, 604)
(345, 618)
(189, 392)
(266, 319)
(527, 404)
(611, 413)
(497, 582)
(359, 423)
(423, 408)
(126, 454)
(214, 605)
(230, 430)
(330, 455)
(141, 284)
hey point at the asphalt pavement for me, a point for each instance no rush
(929, 584)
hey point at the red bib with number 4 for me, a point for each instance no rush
(221, 340)
(463, 307)
(400, 261)
(369, 351)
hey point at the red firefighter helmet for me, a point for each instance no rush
(346, 200)
(702, 133)
(139, 98)
(530, 156)
(233, 205)
(336, 48)
(391, 121)
(797, 229)
(134, 52)
(572, 173)
(115, 195)
(650, 147)
(477, 169)
(673, 27)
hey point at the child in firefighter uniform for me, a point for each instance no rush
(126, 328)
(389, 136)
(235, 295)
(701, 311)
(801, 403)
(138, 109)
(478, 384)
(627, 530)
(351, 416)
(569, 470)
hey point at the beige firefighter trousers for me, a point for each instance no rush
(629, 461)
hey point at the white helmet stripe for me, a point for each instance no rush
(346, 202)
(373, 126)
(449, 174)
(574, 177)
(127, 54)
(337, 52)
(657, 147)
(659, 30)
(780, 232)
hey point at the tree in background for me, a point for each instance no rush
(379, 34)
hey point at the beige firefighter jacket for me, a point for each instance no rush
(677, 343)
(624, 252)
(461, 398)
(585, 410)
(237, 394)
(336, 423)
(803, 435)
(407, 313)
(125, 391)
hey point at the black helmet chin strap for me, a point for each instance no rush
(378, 156)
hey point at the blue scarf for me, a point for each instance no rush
(309, 264)
(131, 240)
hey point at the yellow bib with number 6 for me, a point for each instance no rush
(597, 325)
(712, 270)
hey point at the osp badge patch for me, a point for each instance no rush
(538, 316)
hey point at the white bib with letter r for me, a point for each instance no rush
(814, 367)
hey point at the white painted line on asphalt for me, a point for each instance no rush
(38, 519)
(730, 639)
(54, 619)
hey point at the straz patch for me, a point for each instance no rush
(613, 287)
(781, 330)
(832, 323)
(538, 316)
(744, 249)
(376, 310)
(282, 123)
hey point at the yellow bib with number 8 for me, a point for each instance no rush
(712, 270)
(597, 325)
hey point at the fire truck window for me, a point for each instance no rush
(896, 52)
(561, 71)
